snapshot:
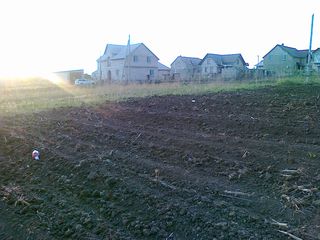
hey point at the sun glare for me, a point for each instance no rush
(53, 78)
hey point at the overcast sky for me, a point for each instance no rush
(40, 36)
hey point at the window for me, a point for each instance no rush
(205, 69)
(117, 72)
(208, 61)
(151, 72)
(284, 57)
(135, 58)
(148, 59)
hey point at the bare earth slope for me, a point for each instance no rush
(240, 165)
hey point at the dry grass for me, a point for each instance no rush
(33, 95)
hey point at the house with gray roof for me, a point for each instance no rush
(127, 63)
(222, 66)
(284, 61)
(185, 68)
(316, 60)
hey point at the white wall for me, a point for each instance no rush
(209, 66)
(137, 66)
(180, 70)
(140, 67)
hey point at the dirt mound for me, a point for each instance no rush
(240, 165)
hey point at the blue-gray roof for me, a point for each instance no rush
(162, 66)
(124, 51)
(259, 64)
(291, 51)
(114, 51)
(224, 59)
(189, 60)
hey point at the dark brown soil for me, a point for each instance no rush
(220, 166)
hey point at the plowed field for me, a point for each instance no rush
(232, 165)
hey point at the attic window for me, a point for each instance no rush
(135, 58)
(148, 59)
(284, 58)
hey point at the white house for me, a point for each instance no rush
(127, 63)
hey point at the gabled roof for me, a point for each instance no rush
(224, 59)
(188, 60)
(162, 66)
(114, 51)
(124, 51)
(291, 51)
(316, 50)
(259, 64)
(113, 48)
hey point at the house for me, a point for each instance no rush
(259, 65)
(164, 72)
(316, 60)
(258, 71)
(127, 63)
(284, 61)
(227, 66)
(185, 68)
(70, 75)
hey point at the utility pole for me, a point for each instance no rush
(310, 47)
(128, 61)
(100, 70)
(257, 69)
